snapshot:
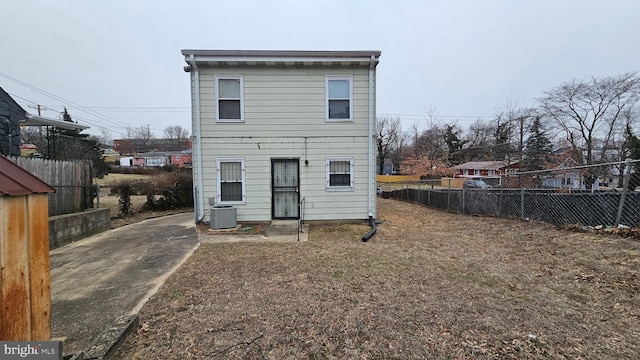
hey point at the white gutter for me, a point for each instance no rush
(197, 191)
(370, 185)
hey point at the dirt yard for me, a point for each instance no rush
(429, 285)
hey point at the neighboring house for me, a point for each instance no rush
(126, 161)
(156, 159)
(13, 116)
(484, 169)
(565, 176)
(387, 167)
(10, 116)
(152, 159)
(133, 146)
(182, 160)
(489, 171)
(280, 134)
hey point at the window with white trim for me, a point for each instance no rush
(340, 174)
(339, 98)
(231, 181)
(229, 93)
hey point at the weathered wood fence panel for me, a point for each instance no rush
(25, 287)
(72, 180)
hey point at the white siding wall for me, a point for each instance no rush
(282, 107)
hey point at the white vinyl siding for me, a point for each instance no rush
(339, 98)
(231, 181)
(284, 101)
(285, 117)
(320, 204)
(339, 174)
(229, 98)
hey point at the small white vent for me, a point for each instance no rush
(223, 217)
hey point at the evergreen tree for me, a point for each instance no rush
(454, 143)
(502, 143)
(537, 147)
(632, 145)
(71, 144)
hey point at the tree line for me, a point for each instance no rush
(591, 121)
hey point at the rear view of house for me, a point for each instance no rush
(284, 134)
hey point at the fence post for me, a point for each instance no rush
(449, 195)
(464, 196)
(501, 195)
(522, 202)
(625, 186)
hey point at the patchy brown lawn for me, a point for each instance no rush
(136, 215)
(429, 285)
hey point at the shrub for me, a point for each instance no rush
(175, 190)
(125, 190)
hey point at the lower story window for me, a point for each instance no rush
(340, 173)
(231, 180)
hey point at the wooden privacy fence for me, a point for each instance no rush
(72, 180)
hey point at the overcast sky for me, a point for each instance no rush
(117, 63)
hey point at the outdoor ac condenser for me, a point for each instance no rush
(223, 217)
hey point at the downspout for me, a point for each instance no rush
(197, 193)
(370, 172)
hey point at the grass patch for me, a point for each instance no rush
(429, 285)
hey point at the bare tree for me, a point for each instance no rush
(105, 136)
(480, 134)
(431, 142)
(388, 138)
(176, 133)
(515, 122)
(589, 112)
(144, 134)
(33, 135)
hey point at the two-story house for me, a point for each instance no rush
(280, 133)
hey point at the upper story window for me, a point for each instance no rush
(229, 92)
(339, 98)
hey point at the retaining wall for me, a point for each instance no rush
(65, 229)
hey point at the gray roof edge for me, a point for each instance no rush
(284, 53)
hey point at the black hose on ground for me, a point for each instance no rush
(372, 223)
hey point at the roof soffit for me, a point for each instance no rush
(282, 58)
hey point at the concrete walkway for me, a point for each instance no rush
(101, 280)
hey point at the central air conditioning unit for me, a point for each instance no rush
(223, 217)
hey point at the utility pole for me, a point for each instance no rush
(40, 108)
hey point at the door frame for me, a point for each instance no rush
(295, 161)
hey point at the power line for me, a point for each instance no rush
(90, 122)
(85, 109)
(63, 100)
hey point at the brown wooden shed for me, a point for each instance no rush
(25, 278)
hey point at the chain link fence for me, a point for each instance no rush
(605, 195)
